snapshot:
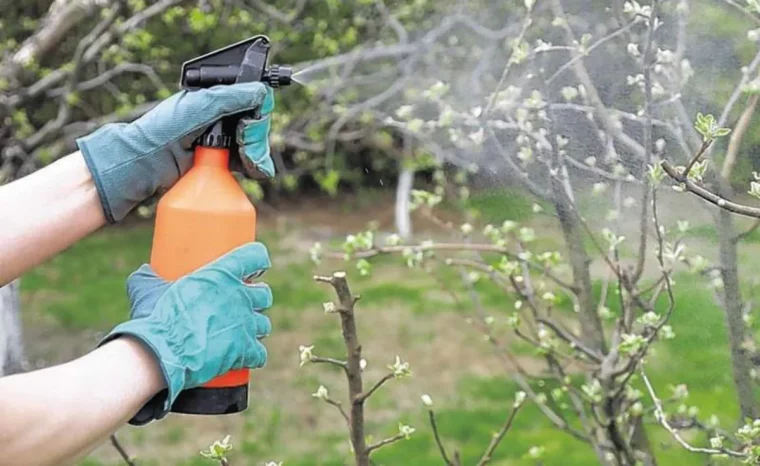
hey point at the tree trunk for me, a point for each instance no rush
(592, 333)
(732, 306)
(403, 191)
(641, 445)
(11, 342)
(572, 232)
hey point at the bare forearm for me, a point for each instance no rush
(44, 213)
(50, 416)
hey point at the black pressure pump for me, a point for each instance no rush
(243, 62)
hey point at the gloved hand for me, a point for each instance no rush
(131, 162)
(253, 140)
(200, 326)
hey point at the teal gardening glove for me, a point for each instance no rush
(200, 326)
(130, 162)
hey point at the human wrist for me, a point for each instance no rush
(144, 333)
(144, 361)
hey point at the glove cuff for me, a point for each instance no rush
(82, 144)
(172, 371)
(124, 181)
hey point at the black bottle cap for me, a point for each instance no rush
(216, 137)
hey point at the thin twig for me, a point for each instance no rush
(334, 362)
(659, 414)
(737, 136)
(571, 339)
(596, 44)
(496, 440)
(749, 231)
(338, 405)
(385, 442)
(526, 24)
(747, 73)
(705, 145)
(643, 220)
(441, 448)
(479, 247)
(743, 10)
(363, 396)
(709, 196)
(122, 452)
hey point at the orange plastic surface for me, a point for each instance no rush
(205, 215)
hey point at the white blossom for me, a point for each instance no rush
(400, 368)
(393, 240)
(305, 354)
(404, 111)
(321, 393)
(519, 398)
(599, 188)
(536, 452)
(477, 137)
(406, 430)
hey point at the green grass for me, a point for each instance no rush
(708, 232)
(499, 204)
(84, 288)
(698, 357)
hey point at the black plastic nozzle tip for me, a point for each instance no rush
(278, 76)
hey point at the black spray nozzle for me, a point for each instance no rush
(207, 76)
(243, 62)
(278, 76)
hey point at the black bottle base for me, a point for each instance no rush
(212, 401)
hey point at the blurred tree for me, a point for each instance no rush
(12, 357)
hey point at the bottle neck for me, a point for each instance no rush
(211, 157)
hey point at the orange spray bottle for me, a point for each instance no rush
(207, 214)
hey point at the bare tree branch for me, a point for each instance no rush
(647, 143)
(385, 442)
(709, 196)
(335, 362)
(62, 16)
(496, 440)
(737, 135)
(274, 13)
(110, 74)
(122, 452)
(339, 407)
(362, 397)
(127, 26)
(663, 420)
(438, 442)
(353, 368)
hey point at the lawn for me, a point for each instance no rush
(75, 297)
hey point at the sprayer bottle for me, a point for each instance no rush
(207, 214)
